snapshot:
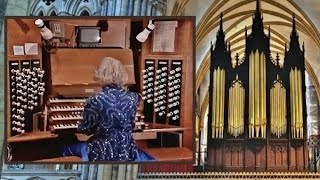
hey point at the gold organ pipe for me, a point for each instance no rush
(293, 112)
(230, 111)
(300, 104)
(297, 104)
(251, 96)
(233, 111)
(214, 103)
(261, 60)
(280, 111)
(294, 104)
(285, 109)
(243, 106)
(218, 103)
(222, 102)
(277, 109)
(237, 109)
(256, 95)
(272, 110)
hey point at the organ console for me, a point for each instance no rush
(47, 91)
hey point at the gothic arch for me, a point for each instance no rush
(33, 7)
(75, 7)
(82, 10)
(39, 11)
(72, 6)
(52, 11)
(84, 13)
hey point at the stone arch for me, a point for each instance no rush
(52, 11)
(34, 7)
(72, 6)
(83, 11)
(39, 11)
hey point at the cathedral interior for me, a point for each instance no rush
(236, 18)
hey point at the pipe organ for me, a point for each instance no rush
(261, 102)
(47, 91)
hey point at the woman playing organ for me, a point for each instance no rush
(108, 118)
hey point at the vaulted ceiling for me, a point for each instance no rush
(237, 14)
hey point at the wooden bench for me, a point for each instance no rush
(160, 154)
(171, 154)
(61, 159)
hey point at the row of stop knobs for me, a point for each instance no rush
(159, 93)
(26, 91)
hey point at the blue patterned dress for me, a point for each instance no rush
(109, 116)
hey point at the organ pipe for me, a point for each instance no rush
(278, 109)
(236, 108)
(296, 103)
(218, 103)
(257, 95)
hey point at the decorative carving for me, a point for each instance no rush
(48, 2)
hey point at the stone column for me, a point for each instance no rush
(124, 7)
(149, 8)
(136, 9)
(117, 8)
(130, 8)
(313, 124)
(143, 7)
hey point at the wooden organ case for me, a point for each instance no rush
(46, 92)
(257, 116)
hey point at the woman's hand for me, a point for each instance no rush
(82, 137)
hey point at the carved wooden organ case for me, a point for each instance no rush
(257, 106)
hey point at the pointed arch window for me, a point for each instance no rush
(53, 13)
(40, 13)
(84, 13)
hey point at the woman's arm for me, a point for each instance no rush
(90, 116)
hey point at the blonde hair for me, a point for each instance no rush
(111, 71)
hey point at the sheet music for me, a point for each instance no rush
(164, 36)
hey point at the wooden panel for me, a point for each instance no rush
(118, 34)
(171, 154)
(183, 51)
(19, 32)
(79, 64)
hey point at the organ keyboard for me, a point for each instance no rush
(65, 114)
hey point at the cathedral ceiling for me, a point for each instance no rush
(237, 14)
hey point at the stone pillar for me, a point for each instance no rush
(124, 7)
(117, 7)
(110, 11)
(313, 124)
(149, 8)
(130, 8)
(136, 9)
